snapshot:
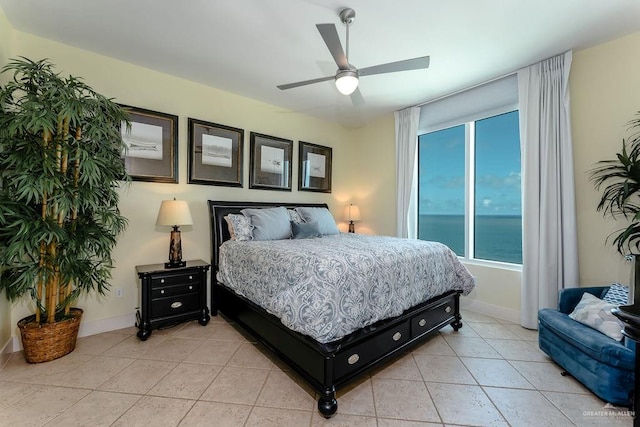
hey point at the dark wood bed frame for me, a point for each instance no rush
(326, 367)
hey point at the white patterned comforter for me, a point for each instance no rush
(329, 287)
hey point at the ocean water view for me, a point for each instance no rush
(497, 237)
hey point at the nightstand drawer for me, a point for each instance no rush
(174, 279)
(169, 291)
(171, 306)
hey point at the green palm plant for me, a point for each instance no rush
(620, 197)
(60, 166)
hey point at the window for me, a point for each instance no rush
(469, 192)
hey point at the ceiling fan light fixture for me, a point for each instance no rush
(347, 81)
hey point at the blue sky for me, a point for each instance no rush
(442, 169)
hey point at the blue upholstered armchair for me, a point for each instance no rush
(605, 366)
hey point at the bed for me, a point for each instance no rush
(326, 364)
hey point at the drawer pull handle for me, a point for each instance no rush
(353, 359)
(397, 336)
(190, 277)
(162, 291)
(422, 322)
(161, 280)
(448, 309)
(190, 287)
(176, 304)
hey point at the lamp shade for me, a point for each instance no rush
(173, 213)
(352, 212)
(347, 81)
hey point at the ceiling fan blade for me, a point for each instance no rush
(304, 83)
(391, 67)
(356, 98)
(330, 36)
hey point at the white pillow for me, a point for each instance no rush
(326, 223)
(596, 314)
(240, 227)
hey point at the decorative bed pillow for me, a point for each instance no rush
(240, 227)
(269, 224)
(305, 230)
(596, 313)
(617, 294)
(294, 216)
(322, 216)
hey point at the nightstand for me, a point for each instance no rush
(171, 295)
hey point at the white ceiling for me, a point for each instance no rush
(248, 47)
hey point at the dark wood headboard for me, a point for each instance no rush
(219, 229)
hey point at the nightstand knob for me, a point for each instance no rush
(161, 280)
(353, 359)
(190, 277)
(190, 287)
(162, 291)
(397, 336)
(448, 309)
(422, 322)
(176, 304)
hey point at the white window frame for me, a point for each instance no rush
(470, 186)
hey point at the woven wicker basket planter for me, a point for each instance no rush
(49, 341)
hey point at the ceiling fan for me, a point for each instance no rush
(347, 76)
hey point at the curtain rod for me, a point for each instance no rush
(480, 84)
(466, 89)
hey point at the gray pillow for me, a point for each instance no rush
(269, 224)
(305, 230)
(322, 216)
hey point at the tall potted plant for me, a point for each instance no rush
(60, 166)
(620, 198)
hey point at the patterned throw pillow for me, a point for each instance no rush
(596, 313)
(617, 294)
(240, 227)
(294, 216)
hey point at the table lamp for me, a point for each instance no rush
(352, 212)
(174, 213)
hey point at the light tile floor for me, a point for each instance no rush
(490, 373)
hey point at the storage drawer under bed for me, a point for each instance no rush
(428, 320)
(349, 359)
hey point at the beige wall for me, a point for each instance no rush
(142, 243)
(605, 95)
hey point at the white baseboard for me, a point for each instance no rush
(91, 327)
(500, 312)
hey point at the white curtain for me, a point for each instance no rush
(406, 141)
(550, 247)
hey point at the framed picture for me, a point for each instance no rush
(152, 146)
(270, 162)
(314, 167)
(215, 154)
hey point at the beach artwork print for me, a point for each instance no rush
(217, 151)
(143, 141)
(316, 165)
(272, 160)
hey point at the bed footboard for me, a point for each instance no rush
(329, 367)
